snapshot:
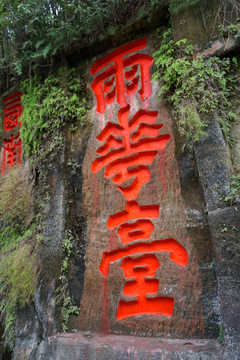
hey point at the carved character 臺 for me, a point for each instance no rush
(141, 271)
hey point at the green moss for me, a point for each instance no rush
(16, 273)
(47, 107)
(18, 247)
(18, 269)
(17, 210)
(195, 86)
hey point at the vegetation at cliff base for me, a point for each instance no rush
(63, 297)
(18, 247)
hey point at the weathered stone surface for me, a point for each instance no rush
(5, 353)
(214, 166)
(28, 332)
(64, 211)
(80, 346)
(75, 217)
(225, 229)
(199, 24)
(179, 219)
(35, 323)
(235, 134)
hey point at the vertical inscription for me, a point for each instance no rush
(12, 144)
(126, 151)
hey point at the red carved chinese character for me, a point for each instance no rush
(137, 145)
(177, 252)
(140, 229)
(13, 111)
(120, 66)
(133, 211)
(140, 271)
(11, 152)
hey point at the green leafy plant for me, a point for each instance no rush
(195, 86)
(73, 165)
(33, 32)
(230, 29)
(224, 229)
(221, 337)
(48, 107)
(63, 297)
(234, 194)
(67, 309)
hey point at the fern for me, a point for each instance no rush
(48, 107)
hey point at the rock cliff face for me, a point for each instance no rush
(154, 274)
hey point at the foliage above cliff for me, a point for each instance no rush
(33, 31)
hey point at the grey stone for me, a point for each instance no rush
(28, 332)
(114, 347)
(214, 166)
(225, 229)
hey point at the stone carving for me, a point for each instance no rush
(127, 149)
(12, 147)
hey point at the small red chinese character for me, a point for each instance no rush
(120, 66)
(12, 148)
(128, 146)
(13, 111)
